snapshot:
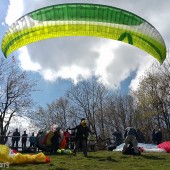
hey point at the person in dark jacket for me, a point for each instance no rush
(118, 136)
(130, 137)
(140, 136)
(56, 140)
(81, 136)
(158, 136)
(15, 138)
(24, 140)
(154, 138)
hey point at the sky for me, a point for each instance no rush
(57, 63)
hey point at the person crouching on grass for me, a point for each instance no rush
(131, 138)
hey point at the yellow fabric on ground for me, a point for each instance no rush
(20, 158)
(4, 153)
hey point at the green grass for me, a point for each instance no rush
(102, 160)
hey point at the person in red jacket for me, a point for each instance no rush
(67, 137)
(81, 136)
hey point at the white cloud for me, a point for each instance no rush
(22, 123)
(74, 72)
(140, 72)
(26, 62)
(70, 57)
(106, 56)
(15, 11)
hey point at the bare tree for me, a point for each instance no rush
(87, 98)
(15, 93)
(41, 118)
(55, 113)
(152, 99)
(120, 111)
(145, 108)
(59, 112)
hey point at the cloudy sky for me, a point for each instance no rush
(57, 63)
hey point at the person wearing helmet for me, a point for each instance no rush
(81, 136)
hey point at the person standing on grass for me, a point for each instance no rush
(24, 140)
(67, 137)
(154, 138)
(32, 140)
(92, 141)
(15, 138)
(158, 136)
(72, 139)
(81, 136)
(140, 136)
(118, 135)
(56, 140)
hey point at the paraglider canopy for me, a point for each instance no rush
(84, 20)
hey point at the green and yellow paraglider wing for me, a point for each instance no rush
(84, 20)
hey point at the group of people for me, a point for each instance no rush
(131, 138)
(119, 136)
(24, 138)
(134, 136)
(79, 137)
(75, 140)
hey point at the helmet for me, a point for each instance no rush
(83, 122)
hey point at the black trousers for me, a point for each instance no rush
(15, 141)
(84, 146)
(24, 144)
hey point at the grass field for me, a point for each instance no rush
(102, 160)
